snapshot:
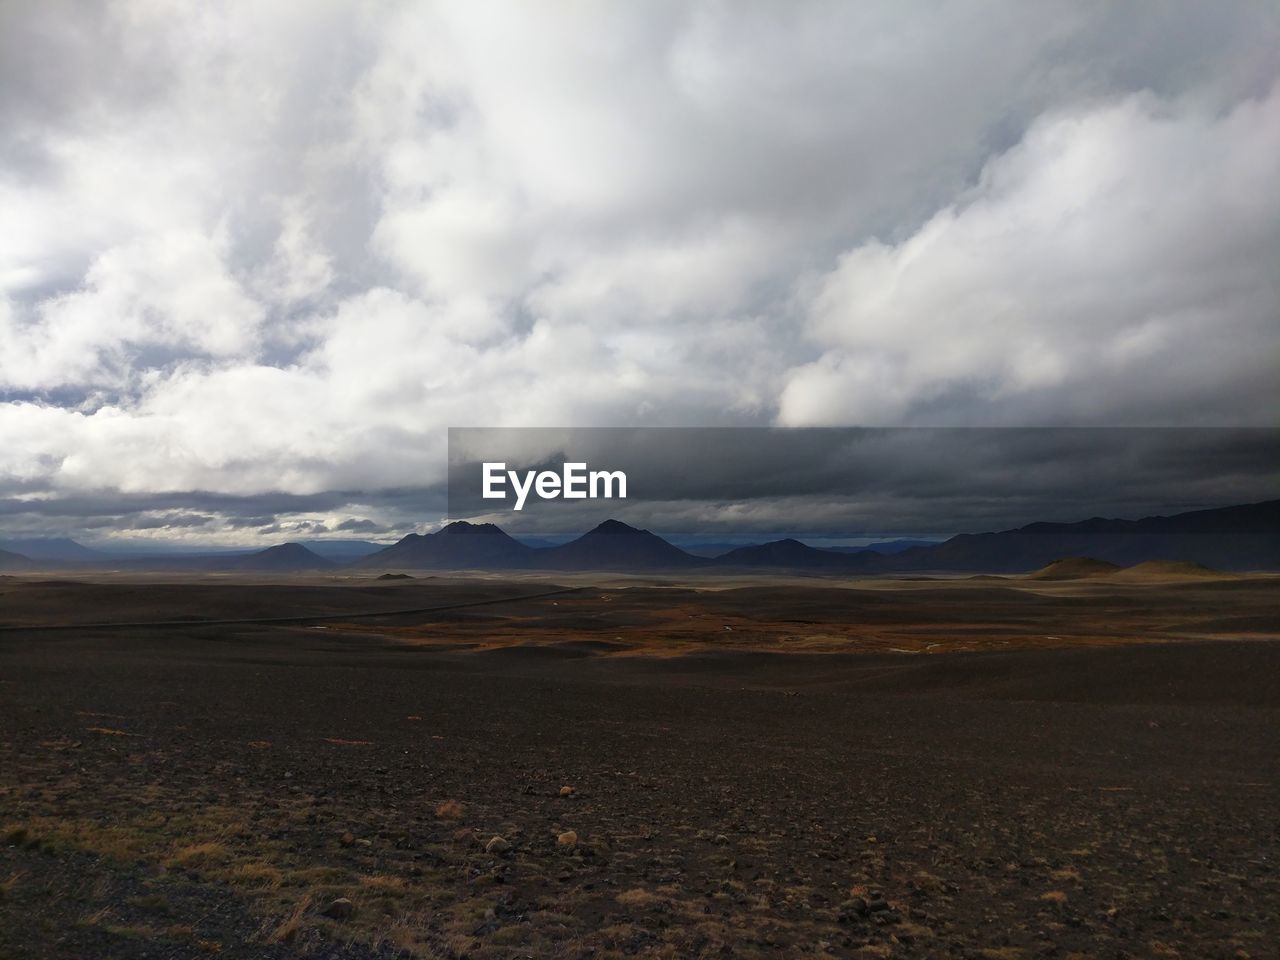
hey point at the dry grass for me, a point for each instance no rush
(450, 810)
(151, 903)
(199, 854)
(384, 883)
(287, 930)
(255, 874)
(121, 843)
(639, 899)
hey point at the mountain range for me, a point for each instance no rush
(1230, 538)
(1245, 537)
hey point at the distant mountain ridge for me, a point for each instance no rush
(1228, 538)
(792, 554)
(51, 548)
(1240, 537)
(1243, 537)
(14, 561)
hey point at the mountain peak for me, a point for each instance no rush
(284, 556)
(466, 527)
(459, 545)
(615, 526)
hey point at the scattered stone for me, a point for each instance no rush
(339, 909)
(720, 840)
(567, 791)
(497, 845)
(567, 839)
(853, 911)
(348, 839)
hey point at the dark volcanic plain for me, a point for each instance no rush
(761, 767)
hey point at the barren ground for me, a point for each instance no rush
(980, 767)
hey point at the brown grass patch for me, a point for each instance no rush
(450, 810)
(197, 854)
(383, 883)
(288, 929)
(255, 875)
(640, 899)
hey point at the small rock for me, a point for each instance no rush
(339, 909)
(720, 840)
(567, 839)
(567, 791)
(497, 845)
(348, 839)
(853, 910)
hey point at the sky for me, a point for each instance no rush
(257, 258)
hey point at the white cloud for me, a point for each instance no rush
(170, 291)
(1116, 265)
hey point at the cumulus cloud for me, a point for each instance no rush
(259, 251)
(1116, 264)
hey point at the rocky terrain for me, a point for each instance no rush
(641, 770)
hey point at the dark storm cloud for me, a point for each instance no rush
(853, 482)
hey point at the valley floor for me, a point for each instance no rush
(991, 769)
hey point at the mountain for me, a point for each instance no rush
(459, 546)
(14, 561)
(1245, 537)
(287, 557)
(615, 546)
(886, 546)
(52, 548)
(342, 551)
(791, 554)
(1163, 570)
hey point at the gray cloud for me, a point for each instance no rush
(878, 482)
(257, 258)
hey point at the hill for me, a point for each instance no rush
(52, 548)
(1168, 570)
(614, 545)
(343, 551)
(1245, 537)
(14, 561)
(458, 546)
(286, 557)
(1074, 568)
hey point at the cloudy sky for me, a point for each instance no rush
(256, 258)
